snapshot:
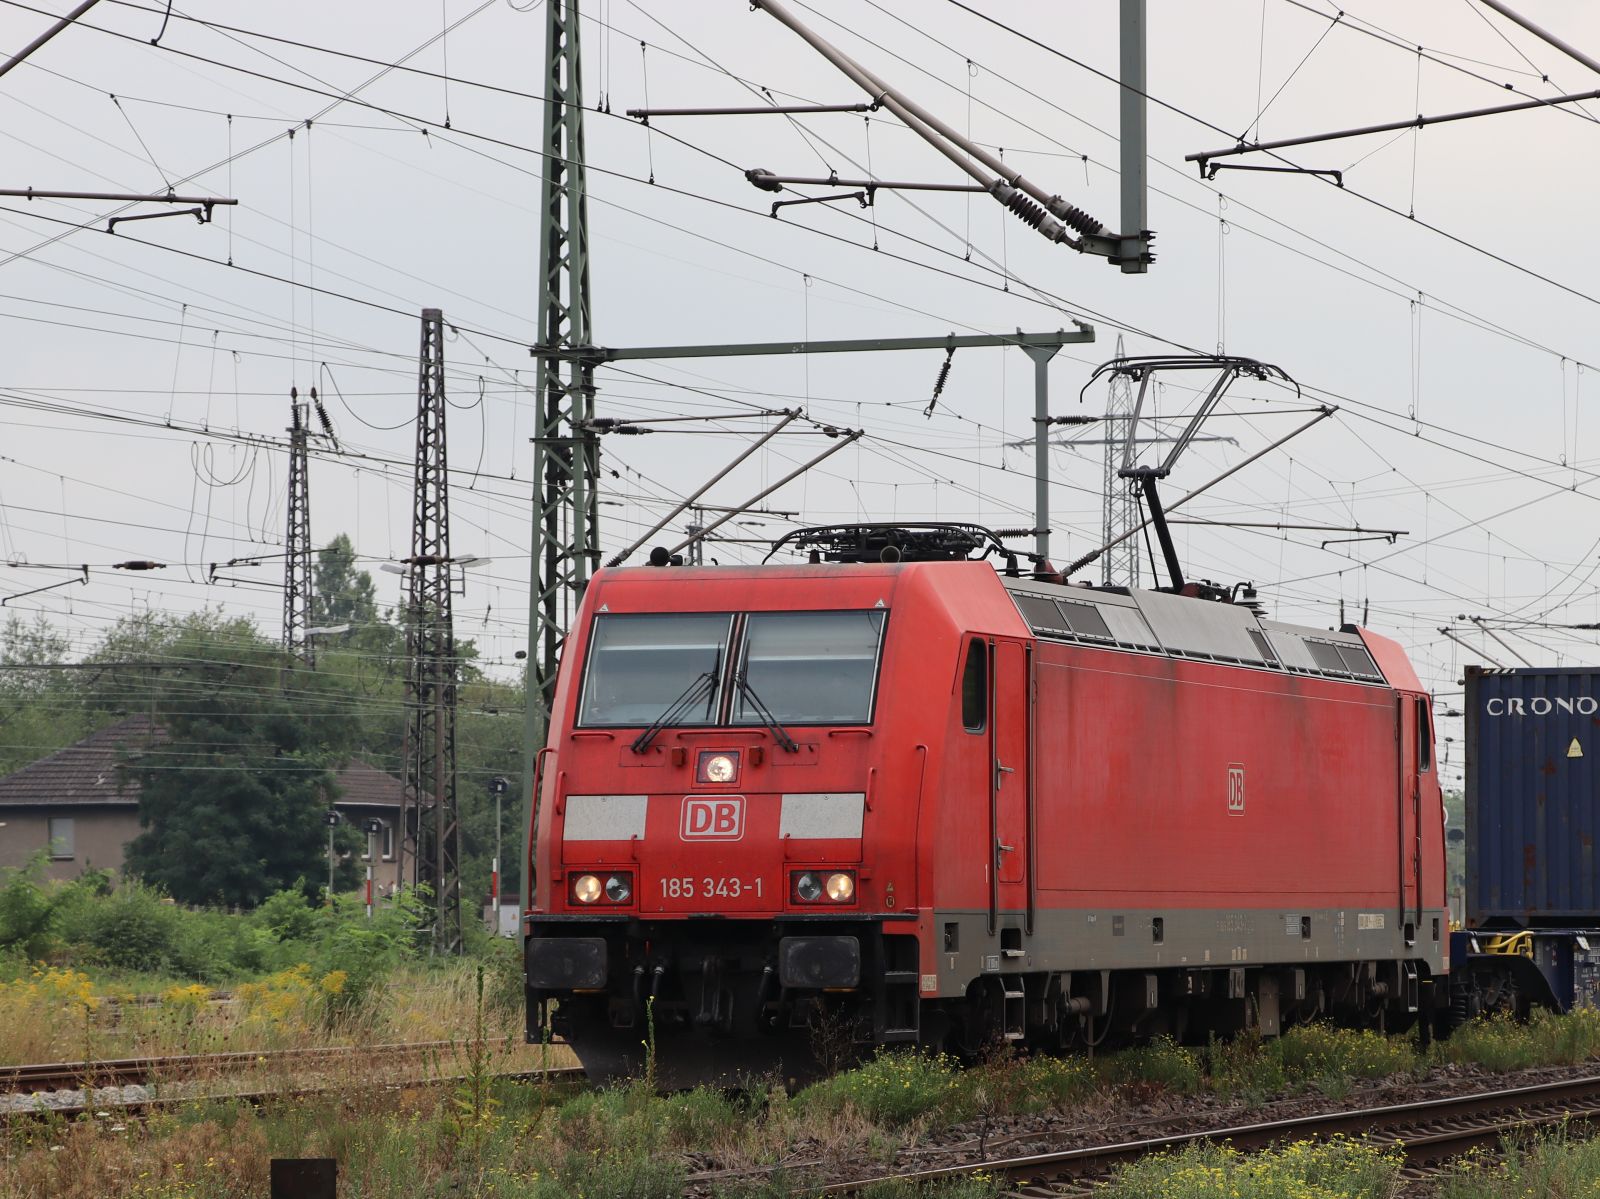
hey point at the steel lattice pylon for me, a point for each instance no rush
(1120, 565)
(566, 454)
(430, 820)
(297, 539)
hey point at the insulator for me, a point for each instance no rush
(1079, 221)
(322, 416)
(938, 384)
(1025, 209)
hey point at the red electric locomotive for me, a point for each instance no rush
(903, 796)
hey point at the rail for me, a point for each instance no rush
(91, 1079)
(1429, 1132)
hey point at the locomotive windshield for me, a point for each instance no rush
(639, 665)
(809, 667)
(789, 667)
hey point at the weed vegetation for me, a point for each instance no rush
(1501, 1043)
(74, 957)
(1338, 1169)
(1557, 1165)
(484, 1135)
(89, 972)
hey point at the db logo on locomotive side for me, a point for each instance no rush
(719, 819)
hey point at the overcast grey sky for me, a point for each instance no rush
(1466, 405)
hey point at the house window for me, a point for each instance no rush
(62, 845)
(388, 843)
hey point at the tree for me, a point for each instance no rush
(342, 594)
(40, 709)
(489, 744)
(231, 797)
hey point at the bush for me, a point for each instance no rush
(1244, 1067)
(1041, 1083)
(137, 929)
(133, 928)
(286, 916)
(1312, 1052)
(894, 1089)
(27, 916)
(365, 951)
(1163, 1062)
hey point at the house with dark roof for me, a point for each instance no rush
(76, 804)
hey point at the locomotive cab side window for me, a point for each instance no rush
(975, 687)
(808, 667)
(1424, 738)
(641, 665)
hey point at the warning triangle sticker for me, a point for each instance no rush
(1574, 750)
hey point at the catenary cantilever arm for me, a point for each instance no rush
(1049, 214)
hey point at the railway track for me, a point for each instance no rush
(1430, 1132)
(134, 1071)
(181, 1078)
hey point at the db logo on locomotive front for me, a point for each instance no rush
(719, 819)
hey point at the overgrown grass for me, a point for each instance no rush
(902, 1091)
(1339, 1169)
(303, 976)
(1500, 1043)
(501, 1138)
(56, 1014)
(894, 1089)
(300, 975)
(1556, 1165)
(1311, 1056)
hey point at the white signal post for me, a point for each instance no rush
(498, 785)
(373, 827)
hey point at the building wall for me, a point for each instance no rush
(385, 866)
(99, 836)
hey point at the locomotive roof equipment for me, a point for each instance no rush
(899, 541)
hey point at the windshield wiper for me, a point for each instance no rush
(779, 733)
(701, 689)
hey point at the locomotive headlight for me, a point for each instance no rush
(808, 887)
(841, 887)
(586, 888)
(717, 768)
(619, 888)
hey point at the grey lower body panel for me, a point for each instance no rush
(1069, 939)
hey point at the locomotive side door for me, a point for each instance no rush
(1409, 817)
(1009, 787)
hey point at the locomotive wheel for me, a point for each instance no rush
(1466, 1005)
